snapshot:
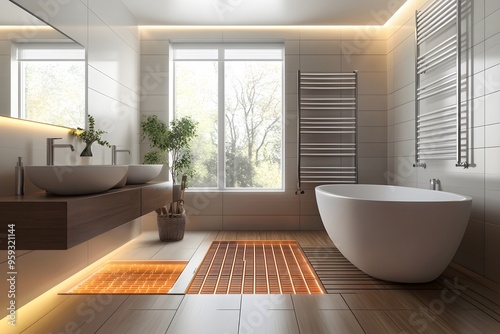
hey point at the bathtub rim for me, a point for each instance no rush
(436, 196)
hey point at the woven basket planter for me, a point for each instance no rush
(171, 228)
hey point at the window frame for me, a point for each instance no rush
(221, 144)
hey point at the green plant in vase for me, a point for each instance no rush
(89, 137)
(176, 141)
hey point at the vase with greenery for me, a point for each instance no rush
(89, 137)
(174, 140)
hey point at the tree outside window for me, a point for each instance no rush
(236, 95)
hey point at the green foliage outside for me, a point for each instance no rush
(54, 92)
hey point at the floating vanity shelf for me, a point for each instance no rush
(48, 222)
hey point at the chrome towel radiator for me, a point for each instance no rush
(327, 128)
(441, 115)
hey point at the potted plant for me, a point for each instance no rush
(176, 142)
(89, 137)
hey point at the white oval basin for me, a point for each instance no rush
(77, 179)
(138, 174)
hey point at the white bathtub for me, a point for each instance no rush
(394, 233)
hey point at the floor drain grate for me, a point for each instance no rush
(131, 277)
(255, 267)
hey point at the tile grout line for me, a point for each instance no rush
(295, 314)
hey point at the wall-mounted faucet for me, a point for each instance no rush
(434, 184)
(50, 149)
(113, 153)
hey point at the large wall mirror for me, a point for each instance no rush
(43, 72)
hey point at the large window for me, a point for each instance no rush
(235, 92)
(51, 83)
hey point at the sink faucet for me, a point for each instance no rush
(113, 153)
(50, 149)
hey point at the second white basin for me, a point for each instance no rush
(138, 174)
(76, 179)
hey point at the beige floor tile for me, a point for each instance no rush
(446, 298)
(319, 302)
(154, 302)
(266, 302)
(139, 321)
(383, 300)
(207, 314)
(420, 321)
(470, 322)
(269, 321)
(376, 322)
(328, 322)
(79, 314)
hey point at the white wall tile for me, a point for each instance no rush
(372, 118)
(110, 54)
(364, 63)
(320, 63)
(492, 249)
(154, 47)
(490, 6)
(119, 19)
(261, 223)
(492, 79)
(492, 51)
(491, 24)
(372, 134)
(311, 223)
(372, 102)
(204, 223)
(471, 251)
(492, 160)
(319, 47)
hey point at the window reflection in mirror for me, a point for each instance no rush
(47, 81)
(50, 82)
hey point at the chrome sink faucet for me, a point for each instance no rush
(113, 153)
(50, 149)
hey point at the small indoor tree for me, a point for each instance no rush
(176, 141)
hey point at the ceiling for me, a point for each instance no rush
(243, 12)
(263, 12)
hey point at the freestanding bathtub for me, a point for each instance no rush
(398, 234)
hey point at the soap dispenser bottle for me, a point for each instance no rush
(19, 177)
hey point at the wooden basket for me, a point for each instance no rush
(171, 228)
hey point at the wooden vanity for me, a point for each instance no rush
(48, 222)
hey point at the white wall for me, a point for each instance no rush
(112, 44)
(480, 248)
(307, 49)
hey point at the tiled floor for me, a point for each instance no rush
(465, 304)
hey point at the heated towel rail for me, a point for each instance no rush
(327, 128)
(441, 117)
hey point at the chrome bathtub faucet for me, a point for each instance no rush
(434, 184)
(113, 153)
(50, 149)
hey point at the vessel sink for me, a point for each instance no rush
(76, 179)
(138, 174)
